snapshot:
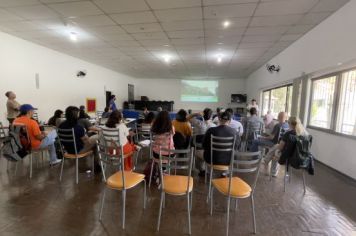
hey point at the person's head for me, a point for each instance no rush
(106, 109)
(162, 124)
(82, 108)
(253, 102)
(27, 110)
(159, 109)
(282, 117)
(112, 97)
(10, 95)
(72, 114)
(181, 115)
(207, 113)
(82, 114)
(253, 111)
(218, 109)
(296, 124)
(114, 119)
(189, 111)
(58, 113)
(149, 117)
(225, 118)
(145, 109)
(230, 111)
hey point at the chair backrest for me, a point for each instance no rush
(110, 135)
(23, 135)
(253, 129)
(159, 141)
(111, 153)
(247, 163)
(102, 121)
(222, 144)
(2, 131)
(198, 141)
(143, 131)
(178, 160)
(66, 137)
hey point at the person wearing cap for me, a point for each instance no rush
(223, 130)
(12, 106)
(39, 139)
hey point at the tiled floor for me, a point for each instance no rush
(44, 206)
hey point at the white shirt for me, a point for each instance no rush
(237, 125)
(122, 131)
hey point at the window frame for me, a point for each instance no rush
(336, 101)
(288, 93)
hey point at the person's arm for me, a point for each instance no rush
(37, 133)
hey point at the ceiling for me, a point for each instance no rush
(167, 38)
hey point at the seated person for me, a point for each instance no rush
(83, 142)
(183, 130)
(254, 124)
(115, 122)
(219, 110)
(106, 113)
(39, 139)
(82, 110)
(234, 123)
(56, 119)
(268, 121)
(201, 126)
(223, 130)
(286, 147)
(85, 123)
(273, 138)
(163, 132)
(148, 121)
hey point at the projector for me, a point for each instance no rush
(272, 68)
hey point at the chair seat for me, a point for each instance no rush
(239, 188)
(79, 155)
(131, 180)
(220, 167)
(177, 184)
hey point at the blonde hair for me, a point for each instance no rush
(298, 126)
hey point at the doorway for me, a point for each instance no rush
(108, 96)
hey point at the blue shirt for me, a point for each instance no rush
(112, 105)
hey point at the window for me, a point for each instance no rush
(322, 101)
(277, 100)
(332, 105)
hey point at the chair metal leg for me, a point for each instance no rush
(160, 211)
(191, 200)
(31, 156)
(144, 194)
(211, 201)
(150, 180)
(236, 204)
(188, 210)
(60, 176)
(123, 208)
(102, 204)
(164, 201)
(92, 168)
(228, 215)
(206, 174)
(210, 179)
(76, 170)
(253, 215)
(304, 182)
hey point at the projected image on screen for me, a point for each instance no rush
(199, 91)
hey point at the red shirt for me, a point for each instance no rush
(33, 130)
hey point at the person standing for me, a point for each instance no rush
(253, 104)
(13, 107)
(112, 104)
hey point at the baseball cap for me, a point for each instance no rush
(225, 116)
(26, 108)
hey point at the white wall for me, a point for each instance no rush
(59, 87)
(170, 90)
(331, 42)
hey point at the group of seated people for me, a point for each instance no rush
(180, 132)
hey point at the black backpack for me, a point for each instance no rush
(302, 157)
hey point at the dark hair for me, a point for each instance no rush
(115, 118)
(57, 114)
(72, 115)
(7, 94)
(112, 96)
(82, 107)
(82, 114)
(218, 109)
(106, 109)
(253, 111)
(181, 115)
(162, 123)
(230, 111)
(253, 100)
(207, 113)
(149, 118)
(226, 116)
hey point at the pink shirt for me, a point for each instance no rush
(163, 141)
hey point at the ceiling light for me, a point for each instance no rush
(219, 59)
(226, 23)
(339, 64)
(73, 36)
(166, 45)
(167, 58)
(220, 43)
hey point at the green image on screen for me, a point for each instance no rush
(199, 91)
